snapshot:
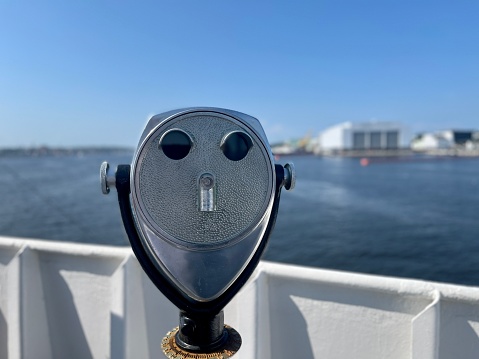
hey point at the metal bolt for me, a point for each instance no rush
(207, 181)
(106, 180)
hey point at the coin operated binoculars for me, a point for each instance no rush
(199, 203)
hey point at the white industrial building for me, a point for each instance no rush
(364, 136)
(443, 140)
(430, 141)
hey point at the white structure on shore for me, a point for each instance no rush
(62, 300)
(444, 140)
(363, 136)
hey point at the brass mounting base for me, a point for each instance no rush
(173, 351)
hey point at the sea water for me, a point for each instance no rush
(414, 217)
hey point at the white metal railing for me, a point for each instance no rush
(63, 300)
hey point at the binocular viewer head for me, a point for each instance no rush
(199, 202)
(202, 192)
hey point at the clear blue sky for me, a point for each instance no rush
(91, 72)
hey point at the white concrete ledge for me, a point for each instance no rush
(64, 300)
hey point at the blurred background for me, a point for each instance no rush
(374, 101)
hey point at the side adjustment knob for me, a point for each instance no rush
(106, 180)
(289, 176)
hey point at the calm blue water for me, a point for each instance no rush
(416, 219)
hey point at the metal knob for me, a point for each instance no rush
(289, 176)
(106, 180)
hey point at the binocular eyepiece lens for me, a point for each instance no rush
(176, 144)
(236, 145)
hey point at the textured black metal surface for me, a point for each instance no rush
(201, 333)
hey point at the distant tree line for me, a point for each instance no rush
(44, 151)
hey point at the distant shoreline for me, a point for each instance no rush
(393, 153)
(45, 151)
